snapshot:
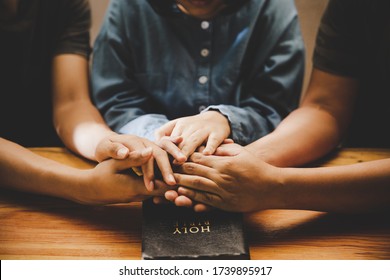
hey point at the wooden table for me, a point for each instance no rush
(39, 227)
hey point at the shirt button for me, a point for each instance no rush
(201, 108)
(205, 25)
(203, 79)
(204, 52)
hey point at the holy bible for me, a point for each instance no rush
(170, 232)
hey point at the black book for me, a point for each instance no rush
(170, 232)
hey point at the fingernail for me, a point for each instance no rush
(151, 186)
(146, 152)
(171, 179)
(122, 152)
(182, 156)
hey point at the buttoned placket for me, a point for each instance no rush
(204, 66)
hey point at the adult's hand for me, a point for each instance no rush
(108, 182)
(108, 147)
(239, 182)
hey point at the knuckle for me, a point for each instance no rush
(208, 197)
(196, 158)
(189, 168)
(197, 182)
(229, 165)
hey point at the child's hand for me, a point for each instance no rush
(210, 128)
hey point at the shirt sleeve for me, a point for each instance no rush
(144, 126)
(74, 23)
(336, 49)
(273, 91)
(115, 91)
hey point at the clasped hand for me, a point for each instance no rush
(232, 180)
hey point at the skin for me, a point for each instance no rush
(211, 128)
(255, 177)
(181, 137)
(25, 171)
(202, 9)
(83, 130)
(243, 183)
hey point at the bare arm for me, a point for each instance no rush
(362, 187)
(310, 131)
(83, 130)
(77, 121)
(313, 129)
(243, 183)
(22, 170)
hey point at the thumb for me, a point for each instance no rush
(109, 149)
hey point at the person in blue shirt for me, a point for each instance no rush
(346, 103)
(186, 73)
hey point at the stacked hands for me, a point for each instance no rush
(203, 172)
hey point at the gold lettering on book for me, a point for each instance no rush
(192, 227)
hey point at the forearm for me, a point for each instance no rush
(81, 127)
(76, 119)
(360, 187)
(22, 170)
(299, 139)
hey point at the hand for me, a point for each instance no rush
(108, 182)
(134, 143)
(238, 183)
(227, 149)
(211, 128)
(107, 148)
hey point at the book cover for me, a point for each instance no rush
(170, 232)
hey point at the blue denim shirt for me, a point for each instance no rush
(150, 67)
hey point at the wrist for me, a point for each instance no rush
(286, 192)
(79, 186)
(215, 114)
(277, 194)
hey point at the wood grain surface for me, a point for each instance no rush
(39, 227)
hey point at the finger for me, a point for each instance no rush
(160, 188)
(171, 148)
(171, 195)
(136, 158)
(176, 139)
(183, 201)
(228, 150)
(228, 141)
(191, 168)
(213, 142)
(131, 142)
(197, 183)
(200, 149)
(148, 171)
(110, 149)
(159, 200)
(178, 129)
(209, 161)
(192, 142)
(200, 207)
(165, 167)
(165, 130)
(202, 197)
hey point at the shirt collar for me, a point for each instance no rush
(169, 7)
